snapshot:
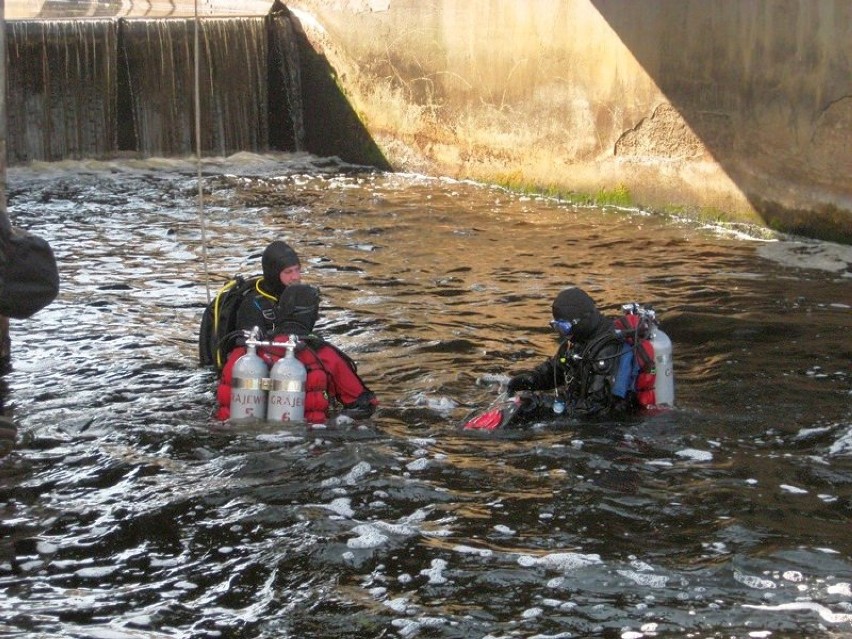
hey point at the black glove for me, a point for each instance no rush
(361, 408)
(521, 381)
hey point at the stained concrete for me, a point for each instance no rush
(735, 110)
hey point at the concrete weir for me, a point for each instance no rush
(738, 111)
(735, 110)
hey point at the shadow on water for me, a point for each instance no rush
(129, 512)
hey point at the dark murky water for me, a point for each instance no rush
(128, 514)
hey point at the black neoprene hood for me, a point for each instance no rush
(575, 305)
(276, 257)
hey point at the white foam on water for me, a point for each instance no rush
(695, 454)
(843, 444)
(793, 489)
(100, 571)
(358, 471)
(45, 548)
(841, 588)
(418, 464)
(752, 581)
(806, 433)
(410, 628)
(368, 537)
(644, 578)
(341, 506)
(470, 550)
(825, 613)
(440, 404)
(423, 442)
(564, 561)
(351, 478)
(399, 604)
(435, 573)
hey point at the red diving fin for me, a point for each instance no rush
(495, 417)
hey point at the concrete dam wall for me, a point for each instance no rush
(736, 111)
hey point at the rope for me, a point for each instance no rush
(5, 224)
(201, 219)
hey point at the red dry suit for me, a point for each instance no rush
(332, 378)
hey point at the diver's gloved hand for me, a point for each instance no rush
(521, 381)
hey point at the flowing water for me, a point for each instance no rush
(129, 513)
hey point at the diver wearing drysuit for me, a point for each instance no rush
(583, 371)
(333, 384)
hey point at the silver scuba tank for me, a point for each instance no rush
(287, 387)
(248, 398)
(664, 392)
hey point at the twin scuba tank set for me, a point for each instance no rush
(259, 393)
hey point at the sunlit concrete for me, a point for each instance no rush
(738, 110)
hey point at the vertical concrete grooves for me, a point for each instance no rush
(61, 89)
(98, 88)
(156, 57)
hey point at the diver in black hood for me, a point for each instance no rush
(281, 268)
(583, 371)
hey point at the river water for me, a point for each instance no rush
(129, 513)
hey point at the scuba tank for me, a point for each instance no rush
(641, 325)
(663, 363)
(248, 398)
(287, 387)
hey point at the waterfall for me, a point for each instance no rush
(61, 89)
(157, 60)
(288, 99)
(99, 88)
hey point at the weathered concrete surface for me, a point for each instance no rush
(739, 110)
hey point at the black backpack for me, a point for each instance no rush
(218, 332)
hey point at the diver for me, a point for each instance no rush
(332, 385)
(602, 368)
